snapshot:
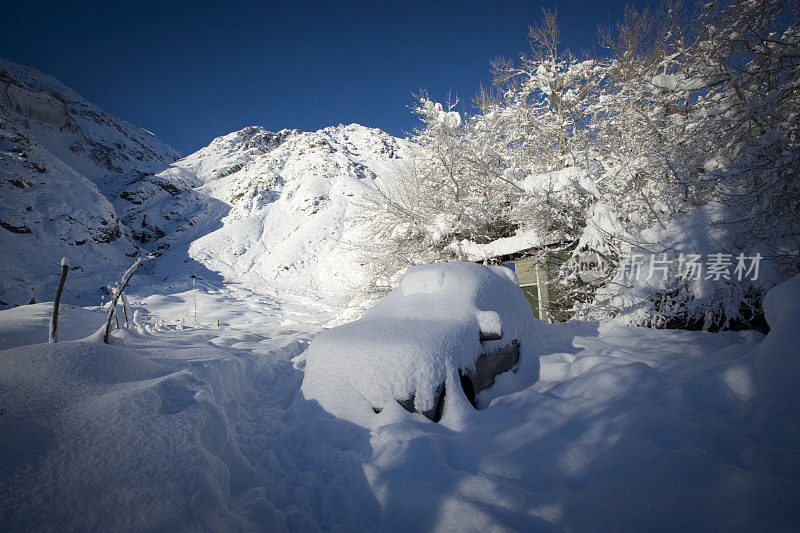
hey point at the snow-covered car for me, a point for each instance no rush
(448, 328)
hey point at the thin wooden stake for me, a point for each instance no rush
(54, 317)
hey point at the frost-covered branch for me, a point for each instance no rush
(116, 296)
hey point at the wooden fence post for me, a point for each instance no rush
(54, 317)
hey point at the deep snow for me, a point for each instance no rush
(208, 428)
(203, 416)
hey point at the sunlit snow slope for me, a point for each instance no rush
(290, 198)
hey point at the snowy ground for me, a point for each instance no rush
(206, 428)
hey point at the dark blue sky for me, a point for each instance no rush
(190, 71)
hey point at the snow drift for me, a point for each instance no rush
(612, 428)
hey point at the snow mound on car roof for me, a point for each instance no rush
(415, 338)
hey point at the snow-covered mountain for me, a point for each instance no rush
(268, 210)
(62, 162)
(272, 211)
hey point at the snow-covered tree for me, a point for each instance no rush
(681, 140)
(453, 186)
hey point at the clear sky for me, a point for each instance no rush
(191, 71)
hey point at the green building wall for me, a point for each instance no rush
(534, 275)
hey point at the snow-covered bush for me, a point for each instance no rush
(700, 139)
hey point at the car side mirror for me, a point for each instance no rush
(490, 336)
(491, 329)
